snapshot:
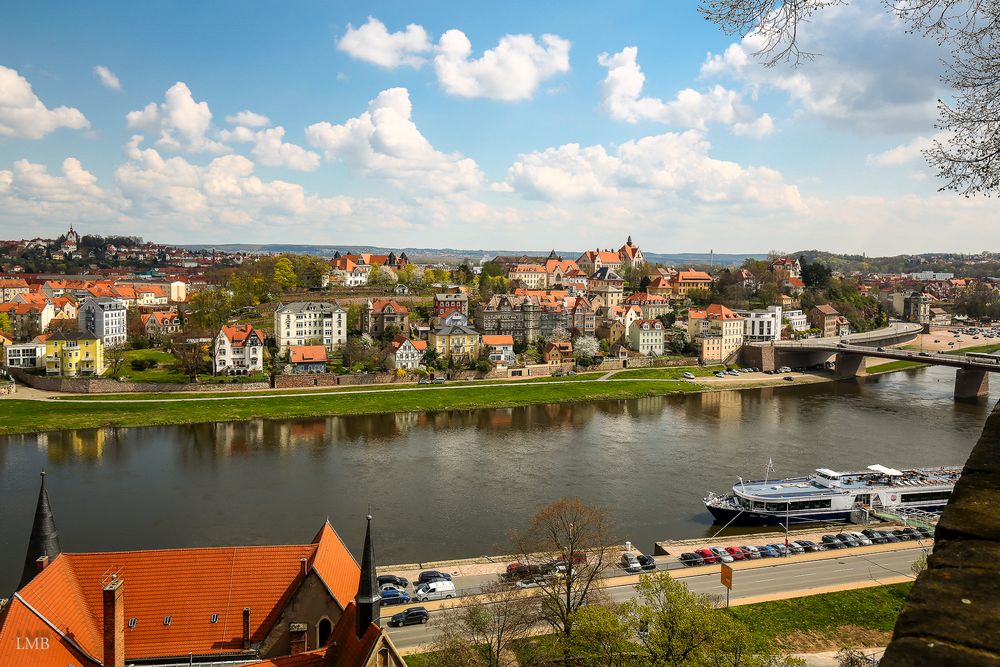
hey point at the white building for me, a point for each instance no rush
(239, 350)
(646, 337)
(105, 318)
(25, 355)
(405, 353)
(761, 326)
(500, 349)
(178, 291)
(796, 319)
(306, 321)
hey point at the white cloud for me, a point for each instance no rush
(24, 116)
(107, 78)
(372, 42)
(179, 123)
(270, 151)
(249, 119)
(512, 71)
(905, 153)
(29, 192)
(870, 77)
(385, 141)
(644, 170)
(623, 100)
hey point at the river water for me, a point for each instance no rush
(451, 484)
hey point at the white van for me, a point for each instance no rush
(434, 590)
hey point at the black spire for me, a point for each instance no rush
(44, 540)
(368, 598)
(552, 255)
(629, 242)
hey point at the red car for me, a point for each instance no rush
(736, 553)
(707, 556)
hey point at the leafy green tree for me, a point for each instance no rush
(284, 273)
(209, 310)
(492, 269)
(601, 637)
(815, 274)
(5, 324)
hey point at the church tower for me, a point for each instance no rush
(368, 598)
(44, 540)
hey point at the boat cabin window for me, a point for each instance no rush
(922, 497)
(776, 507)
(862, 498)
(758, 505)
(810, 505)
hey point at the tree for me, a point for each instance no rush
(210, 309)
(190, 356)
(601, 636)
(559, 335)
(284, 273)
(586, 347)
(495, 618)
(578, 535)
(5, 323)
(968, 160)
(114, 358)
(699, 296)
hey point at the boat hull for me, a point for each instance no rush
(748, 518)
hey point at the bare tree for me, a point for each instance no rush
(572, 541)
(190, 356)
(968, 158)
(114, 358)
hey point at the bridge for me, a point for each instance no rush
(971, 377)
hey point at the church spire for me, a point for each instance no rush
(368, 598)
(629, 242)
(44, 540)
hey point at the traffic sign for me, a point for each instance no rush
(727, 576)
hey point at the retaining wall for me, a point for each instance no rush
(109, 386)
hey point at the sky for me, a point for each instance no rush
(471, 125)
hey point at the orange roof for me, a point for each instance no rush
(795, 282)
(17, 620)
(693, 275)
(380, 304)
(6, 339)
(606, 256)
(826, 309)
(646, 297)
(565, 265)
(528, 268)
(713, 312)
(420, 345)
(189, 585)
(498, 340)
(238, 334)
(304, 354)
(659, 282)
(10, 283)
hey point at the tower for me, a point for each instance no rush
(368, 598)
(44, 540)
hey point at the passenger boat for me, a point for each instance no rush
(828, 495)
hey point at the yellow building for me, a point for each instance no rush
(716, 333)
(455, 341)
(71, 353)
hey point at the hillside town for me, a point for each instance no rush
(214, 317)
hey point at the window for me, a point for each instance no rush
(927, 495)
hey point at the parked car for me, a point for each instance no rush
(646, 562)
(424, 381)
(437, 381)
(926, 532)
(432, 575)
(788, 378)
(751, 553)
(848, 540)
(720, 374)
(860, 537)
(435, 590)
(411, 616)
(780, 548)
(395, 596)
(531, 582)
(578, 557)
(795, 548)
(831, 542)
(767, 552)
(889, 537)
(629, 563)
(691, 559)
(925, 354)
(912, 532)
(518, 571)
(902, 536)
(688, 375)
(875, 536)
(707, 557)
(399, 582)
(721, 554)
(736, 553)
(808, 546)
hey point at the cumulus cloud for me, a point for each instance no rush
(385, 141)
(24, 116)
(107, 78)
(179, 123)
(907, 153)
(248, 119)
(372, 42)
(511, 71)
(871, 77)
(623, 100)
(29, 191)
(270, 150)
(675, 164)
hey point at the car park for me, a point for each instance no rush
(691, 559)
(751, 553)
(432, 575)
(629, 562)
(721, 554)
(394, 596)
(411, 616)
(646, 562)
(736, 553)
(707, 557)
(393, 580)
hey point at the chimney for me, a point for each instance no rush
(246, 628)
(114, 623)
(305, 566)
(41, 563)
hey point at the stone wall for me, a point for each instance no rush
(952, 615)
(109, 386)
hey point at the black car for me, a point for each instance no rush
(926, 532)
(912, 532)
(876, 536)
(889, 537)
(691, 559)
(807, 545)
(646, 562)
(410, 616)
(902, 536)
(848, 540)
(428, 576)
(392, 580)
(831, 542)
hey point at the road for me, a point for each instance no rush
(777, 579)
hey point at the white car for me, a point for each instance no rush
(688, 375)
(630, 563)
(860, 537)
(721, 554)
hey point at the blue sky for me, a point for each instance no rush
(429, 124)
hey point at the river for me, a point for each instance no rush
(451, 484)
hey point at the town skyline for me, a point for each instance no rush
(469, 129)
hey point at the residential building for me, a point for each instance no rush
(793, 286)
(687, 281)
(608, 286)
(506, 314)
(105, 318)
(651, 305)
(787, 266)
(28, 318)
(450, 302)
(305, 322)
(940, 317)
(307, 358)
(406, 354)
(558, 271)
(26, 355)
(500, 349)
(843, 326)
(456, 341)
(239, 350)
(612, 331)
(384, 314)
(716, 333)
(796, 319)
(178, 291)
(660, 286)
(631, 256)
(160, 324)
(761, 326)
(73, 353)
(824, 317)
(532, 276)
(646, 337)
(593, 261)
(557, 353)
(11, 287)
(202, 606)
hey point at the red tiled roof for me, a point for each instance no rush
(498, 340)
(379, 305)
(421, 345)
(238, 333)
(826, 309)
(335, 565)
(18, 621)
(344, 648)
(528, 268)
(693, 275)
(305, 354)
